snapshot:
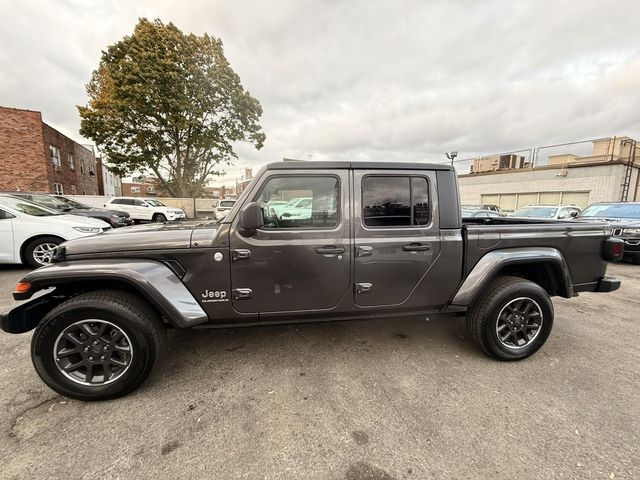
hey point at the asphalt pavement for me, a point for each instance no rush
(376, 400)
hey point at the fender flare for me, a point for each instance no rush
(488, 267)
(154, 280)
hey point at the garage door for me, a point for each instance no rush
(580, 199)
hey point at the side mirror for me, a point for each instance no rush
(251, 217)
(574, 214)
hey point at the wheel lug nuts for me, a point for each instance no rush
(86, 349)
(105, 348)
(102, 357)
(91, 358)
(95, 342)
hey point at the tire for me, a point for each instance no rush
(501, 308)
(36, 250)
(159, 218)
(137, 344)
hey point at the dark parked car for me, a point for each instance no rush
(480, 213)
(486, 206)
(624, 218)
(379, 240)
(115, 218)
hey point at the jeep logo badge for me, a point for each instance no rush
(209, 296)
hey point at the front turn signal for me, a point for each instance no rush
(23, 287)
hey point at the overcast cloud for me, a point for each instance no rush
(392, 80)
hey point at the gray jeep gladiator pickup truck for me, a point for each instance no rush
(306, 241)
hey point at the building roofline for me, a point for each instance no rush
(551, 167)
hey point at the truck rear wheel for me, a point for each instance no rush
(98, 345)
(512, 319)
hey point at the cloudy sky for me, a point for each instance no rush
(382, 80)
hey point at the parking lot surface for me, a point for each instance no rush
(378, 400)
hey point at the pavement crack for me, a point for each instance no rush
(20, 414)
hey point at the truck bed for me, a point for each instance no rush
(577, 241)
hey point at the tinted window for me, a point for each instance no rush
(227, 203)
(322, 198)
(138, 203)
(117, 201)
(5, 215)
(395, 201)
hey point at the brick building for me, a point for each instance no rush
(36, 157)
(109, 184)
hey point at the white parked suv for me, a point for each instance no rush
(146, 209)
(29, 233)
(556, 212)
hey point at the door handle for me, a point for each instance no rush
(416, 247)
(240, 254)
(329, 250)
(364, 251)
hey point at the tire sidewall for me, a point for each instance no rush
(527, 290)
(42, 352)
(158, 216)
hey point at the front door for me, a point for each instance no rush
(300, 259)
(6, 237)
(396, 236)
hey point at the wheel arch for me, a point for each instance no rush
(151, 280)
(543, 266)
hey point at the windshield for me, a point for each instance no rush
(613, 210)
(227, 203)
(537, 212)
(155, 203)
(468, 213)
(72, 203)
(24, 206)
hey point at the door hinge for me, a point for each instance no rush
(241, 293)
(363, 287)
(240, 254)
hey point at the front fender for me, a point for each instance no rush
(488, 266)
(154, 280)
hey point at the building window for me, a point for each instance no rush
(151, 190)
(73, 189)
(55, 155)
(135, 189)
(71, 164)
(82, 167)
(58, 189)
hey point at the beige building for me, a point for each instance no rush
(494, 163)
(608, 174)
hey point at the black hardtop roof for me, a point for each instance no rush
(329, 165)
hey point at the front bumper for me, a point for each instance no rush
(631, 247)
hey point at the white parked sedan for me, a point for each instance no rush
(29, 233)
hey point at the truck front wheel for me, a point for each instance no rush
(98, 345)
(512, 319)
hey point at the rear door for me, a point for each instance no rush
(396, 235)
(294, 263)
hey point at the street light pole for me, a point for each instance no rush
(451, 156)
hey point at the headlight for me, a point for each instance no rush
(88, 229)
(632, 231)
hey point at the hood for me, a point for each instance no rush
(104, 211)
(614, 221)
(154, 236)
(77, 221)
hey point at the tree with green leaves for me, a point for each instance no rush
(170, 104)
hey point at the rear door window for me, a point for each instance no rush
(395, 201)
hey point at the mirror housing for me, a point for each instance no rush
(573, 214)
(251, 217)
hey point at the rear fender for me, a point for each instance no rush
(490, 265)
